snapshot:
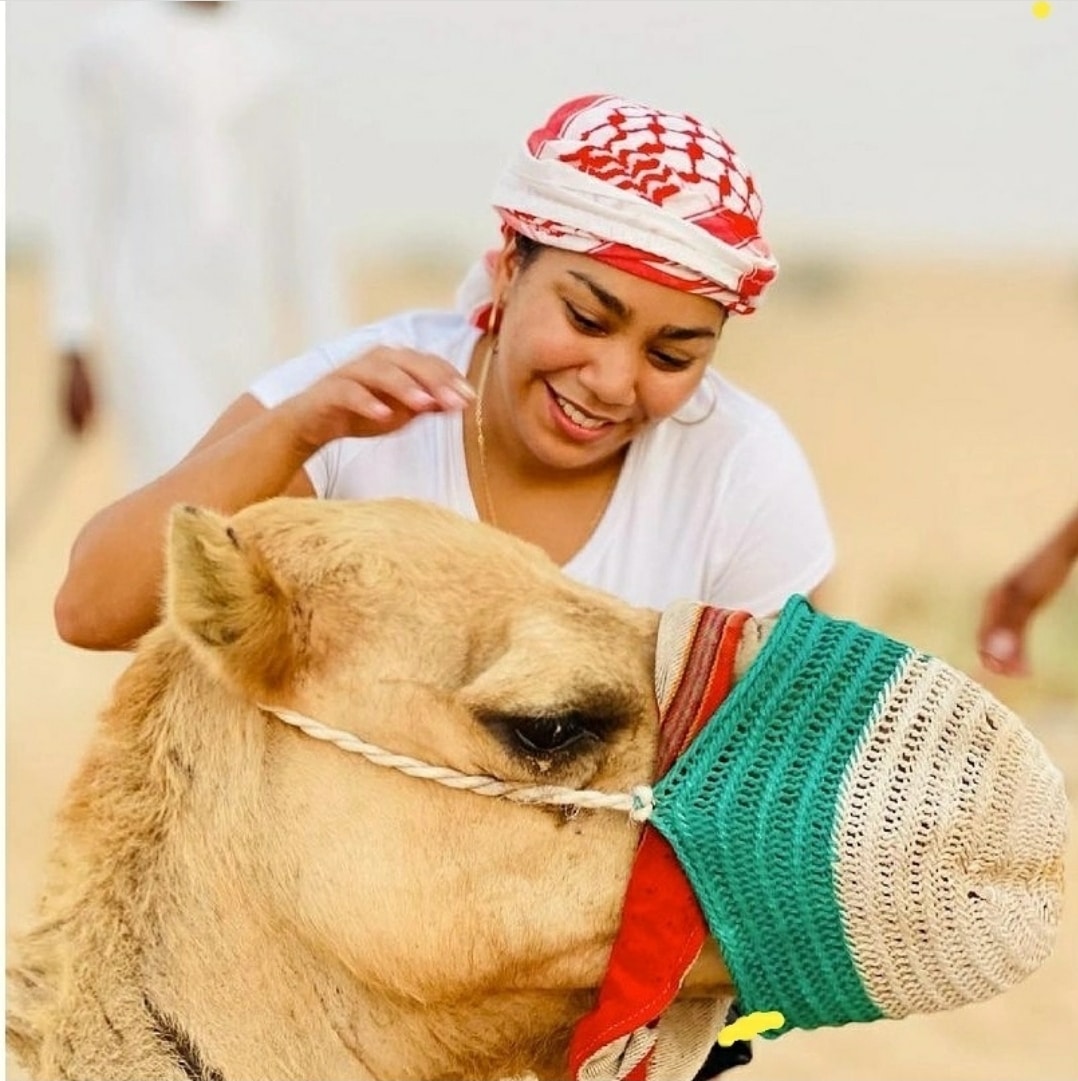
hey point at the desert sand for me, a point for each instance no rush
(939, 403)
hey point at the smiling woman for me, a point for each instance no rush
(571, 400)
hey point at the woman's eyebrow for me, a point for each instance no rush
(621, 310)
(681, 334)
(608, 300)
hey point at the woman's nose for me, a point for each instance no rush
(610, 375)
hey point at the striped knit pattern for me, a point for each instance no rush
(868, 832)
(709, 639)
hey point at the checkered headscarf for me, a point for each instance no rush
(654, 193)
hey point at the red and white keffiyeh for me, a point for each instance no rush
(653, 193)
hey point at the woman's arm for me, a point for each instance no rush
(109, 597)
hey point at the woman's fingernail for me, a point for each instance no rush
(464, 389)
(453, 400)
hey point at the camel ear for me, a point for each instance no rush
(225, 600)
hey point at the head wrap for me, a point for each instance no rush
(654, 193)
(867, 833)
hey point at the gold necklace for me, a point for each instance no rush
(481, 446)
(480, 442)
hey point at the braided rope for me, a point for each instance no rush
(637, 803)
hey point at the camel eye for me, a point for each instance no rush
(547, 735)
(561, 729)
(544, 735)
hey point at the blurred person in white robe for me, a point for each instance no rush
(190, 254)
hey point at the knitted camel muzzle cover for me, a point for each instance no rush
(868, 832)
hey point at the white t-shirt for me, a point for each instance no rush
(724, 511)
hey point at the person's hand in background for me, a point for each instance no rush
(77, 393)
(1013, 601)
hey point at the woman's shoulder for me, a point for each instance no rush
(427, 331)
(727, 443)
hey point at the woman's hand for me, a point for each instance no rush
(378, 392)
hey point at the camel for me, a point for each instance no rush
(231, 898)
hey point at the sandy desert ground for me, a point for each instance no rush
(939, 403)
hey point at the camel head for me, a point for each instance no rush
(434, 639)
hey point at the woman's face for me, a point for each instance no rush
(588, 355)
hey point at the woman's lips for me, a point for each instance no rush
(574, 422)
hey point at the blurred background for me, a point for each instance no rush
(918, 166)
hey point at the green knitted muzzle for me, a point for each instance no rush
(862, 826)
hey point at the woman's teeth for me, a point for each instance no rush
(576, 416)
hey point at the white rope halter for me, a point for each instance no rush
(637, 803)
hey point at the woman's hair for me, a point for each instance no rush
(527, 250)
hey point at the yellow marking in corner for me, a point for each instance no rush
(1042, 9)
(745, 1028)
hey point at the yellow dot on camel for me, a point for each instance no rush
(749, 1026)
(1042, 9)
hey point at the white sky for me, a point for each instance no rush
(946, 124)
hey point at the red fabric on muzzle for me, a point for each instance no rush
(662, 929)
